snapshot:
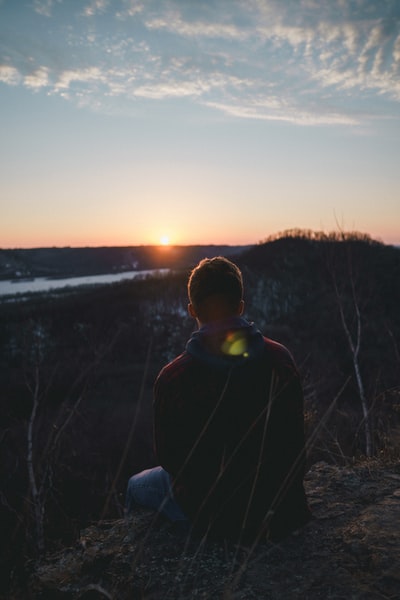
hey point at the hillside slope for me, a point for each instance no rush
(351, 549)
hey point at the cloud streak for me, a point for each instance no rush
(9, 75)
(37, 79)
(302, 62)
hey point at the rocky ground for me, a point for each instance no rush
(350, 550)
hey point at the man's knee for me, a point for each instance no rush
(147, 488)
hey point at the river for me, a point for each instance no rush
(42, 284)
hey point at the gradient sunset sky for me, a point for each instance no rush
(219, 121)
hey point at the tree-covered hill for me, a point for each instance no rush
(333, 299)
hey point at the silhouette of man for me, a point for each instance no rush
(228, 423)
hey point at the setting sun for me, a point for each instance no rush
(164, 240)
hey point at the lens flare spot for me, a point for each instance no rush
(235, 344)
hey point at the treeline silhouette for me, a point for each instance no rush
(70, 262)
(77, 369)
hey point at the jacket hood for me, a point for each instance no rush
(225, 344)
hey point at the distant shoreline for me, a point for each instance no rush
(60, 263)
(23, 286)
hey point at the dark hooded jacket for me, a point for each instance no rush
(228, 426)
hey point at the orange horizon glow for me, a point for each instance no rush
(150, 239)
(103, 244)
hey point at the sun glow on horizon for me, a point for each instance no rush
(164, 240)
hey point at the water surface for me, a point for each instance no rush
(42, 284)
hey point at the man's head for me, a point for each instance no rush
(215, 290)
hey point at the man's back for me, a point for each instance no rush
(229, 430)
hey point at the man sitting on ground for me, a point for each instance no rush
(228, 423)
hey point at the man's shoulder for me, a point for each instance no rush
(276, 348)
(176, 368)
(278, 354)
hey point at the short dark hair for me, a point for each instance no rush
(217, 277)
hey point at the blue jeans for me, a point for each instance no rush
(152, 488)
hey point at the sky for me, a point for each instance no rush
(129, 122)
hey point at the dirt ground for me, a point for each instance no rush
(350, 550)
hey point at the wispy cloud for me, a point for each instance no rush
(275, 111)
(130, 9)
(43, 7)
(235, 56)
(92, 74)
(174, 23)
(94, 7)
(37, 79)
(9, 75)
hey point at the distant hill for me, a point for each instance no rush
(70, 262)
(334, 301)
